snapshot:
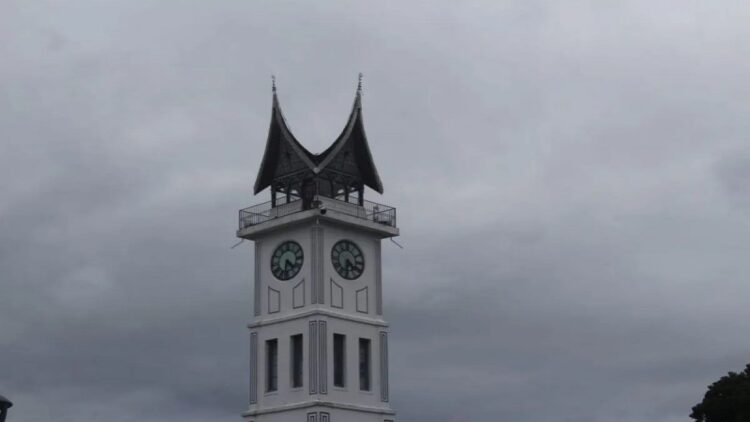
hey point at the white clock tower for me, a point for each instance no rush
(318, 340)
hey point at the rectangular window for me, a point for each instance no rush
(272, 359)
(339, 360)
(296, 361)
(364, 364)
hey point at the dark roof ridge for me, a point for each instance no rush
(353, 133)
(304, 153)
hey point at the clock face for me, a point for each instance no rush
(347, 259)
(287, 260)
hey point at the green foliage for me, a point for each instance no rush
(727, 400)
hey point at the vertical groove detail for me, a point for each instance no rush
(383, 366)
(378, 279)
(313, 352)
(253, 368)
(256, 290)
(319, 257)
(313, 265)
(316, 263)
(323, 368)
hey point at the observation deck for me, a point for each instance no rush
(378, 217)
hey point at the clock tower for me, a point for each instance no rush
(318, 339)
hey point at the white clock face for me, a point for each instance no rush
(347, 259)
(287, 260)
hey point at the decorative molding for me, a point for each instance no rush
(337, 295)
(313, 352)
(253, 368)
(363, 300)
(318, 358)
(383, 366)
(298, 295)
(376, 322)
(256, 306)
(325, 417)
(312, 417)
(322, 366)
(274, 300)
(316, 255)
(319, 403)
(378, 278)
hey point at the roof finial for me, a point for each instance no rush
(359, 84)
(273, 83)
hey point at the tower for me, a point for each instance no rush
(318, 340)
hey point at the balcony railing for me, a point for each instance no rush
(379, 213)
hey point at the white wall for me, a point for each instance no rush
(317, 296)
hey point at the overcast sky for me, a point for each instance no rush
(572, 181)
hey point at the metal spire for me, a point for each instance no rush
(273, 83)
(359, 84)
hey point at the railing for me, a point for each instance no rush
(263, 212)
(379, 213)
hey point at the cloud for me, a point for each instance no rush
(568, 177)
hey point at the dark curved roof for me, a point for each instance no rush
(5, 401)
(285, 155)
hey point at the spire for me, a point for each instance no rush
(280, 143)
(353, 142)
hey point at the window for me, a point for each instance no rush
(296, 361)
(272, 359)
(364, 364)
(339, 360)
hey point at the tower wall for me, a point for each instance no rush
(318, 303)
(318, 285)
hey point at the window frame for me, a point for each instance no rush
(296, 361)
(272, 365)
(365, 382)
(339, 360)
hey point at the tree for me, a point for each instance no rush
(727, 400)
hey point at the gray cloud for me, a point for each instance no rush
(569, 179)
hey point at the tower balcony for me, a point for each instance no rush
(370, 211)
